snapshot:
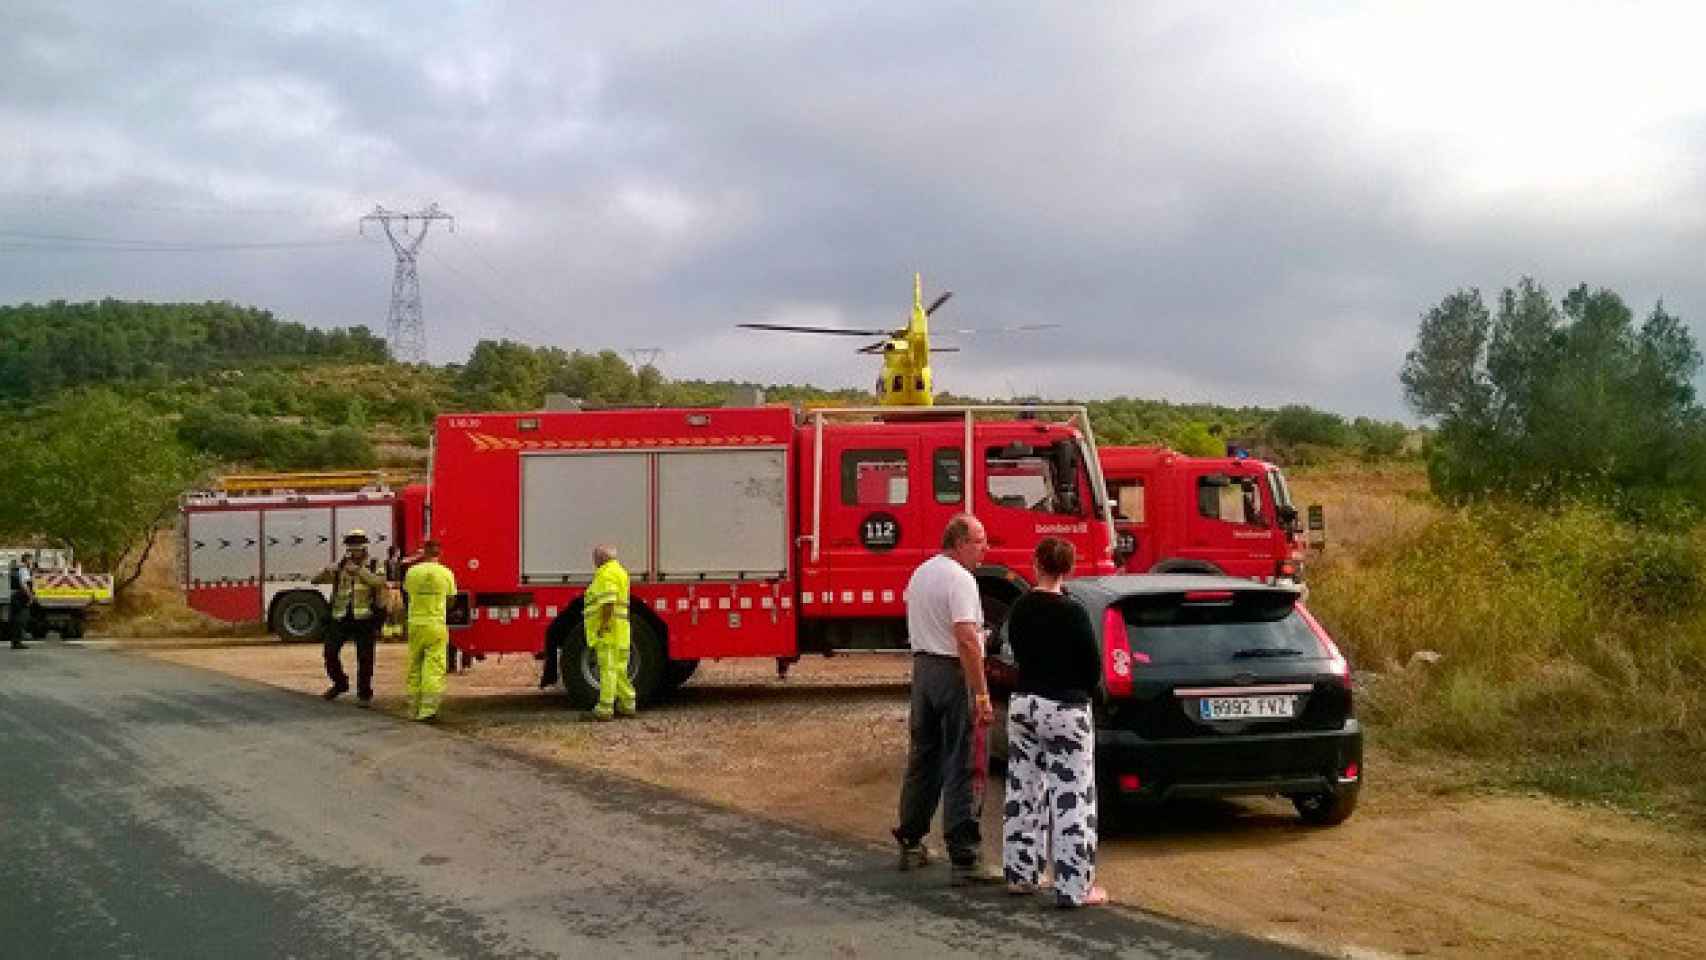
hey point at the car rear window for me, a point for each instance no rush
(1171, 629)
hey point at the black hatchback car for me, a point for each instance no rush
(1216, 687)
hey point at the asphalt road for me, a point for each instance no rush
(152, 810)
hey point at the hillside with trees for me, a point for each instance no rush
(57, 345)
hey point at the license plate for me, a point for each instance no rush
(1247, 708)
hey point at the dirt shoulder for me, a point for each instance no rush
(1425, 868)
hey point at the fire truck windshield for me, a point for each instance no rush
(1034, 479)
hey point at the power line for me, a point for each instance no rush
(30, 240)
(510, 306)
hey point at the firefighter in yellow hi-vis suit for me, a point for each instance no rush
(606, 621)
(430, 585)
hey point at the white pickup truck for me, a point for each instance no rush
(64, 593)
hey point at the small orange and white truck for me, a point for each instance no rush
(65, 595)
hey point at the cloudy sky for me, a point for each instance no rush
(1234, 202)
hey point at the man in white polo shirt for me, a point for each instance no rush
(944, 624)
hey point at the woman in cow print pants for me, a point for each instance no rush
(1051, 771)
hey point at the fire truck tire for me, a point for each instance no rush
(299, 616)
(73, 629)
(578, 667)
(678, 672)
(1187, 566)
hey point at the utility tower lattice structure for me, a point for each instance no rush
(404, 329)
(644, 357)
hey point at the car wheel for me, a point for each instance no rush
(300, 616)
(579, 665)
(1326, 809)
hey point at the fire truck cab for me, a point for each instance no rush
(746, 532)
(1218, 515)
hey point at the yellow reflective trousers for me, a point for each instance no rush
(425, 683)
(615, 692)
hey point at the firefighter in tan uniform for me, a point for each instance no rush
(358, 607)
(430, 585)
(605, 617)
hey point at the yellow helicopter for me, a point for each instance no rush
(905, 377)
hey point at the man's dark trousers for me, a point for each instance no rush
(17, 625)
(365, 633)
(939, 759)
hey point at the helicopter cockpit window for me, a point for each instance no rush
(1027, 478)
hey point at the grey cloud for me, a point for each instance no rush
(1206, 220)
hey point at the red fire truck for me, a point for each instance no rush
(1179, 514)
(747, 532)
(250, 545)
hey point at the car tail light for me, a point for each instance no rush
(1352, 771)
(1116, 653)
(1129, 783)
(1208, 596)
(1286, 569)
(1337, 664)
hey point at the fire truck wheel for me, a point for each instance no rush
(73, 629)
(678, 672)
(299, 616)
(579, 665)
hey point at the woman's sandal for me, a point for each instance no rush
(1095, 898)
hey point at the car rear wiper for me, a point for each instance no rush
(1253, 652)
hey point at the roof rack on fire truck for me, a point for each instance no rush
(325, 481)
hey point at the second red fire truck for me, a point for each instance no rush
(1180, 514)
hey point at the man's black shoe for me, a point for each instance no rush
(334, 691)
(973, 875)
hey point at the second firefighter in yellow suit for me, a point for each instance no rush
(606, 620)
(430, 585)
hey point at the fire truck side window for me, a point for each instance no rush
(1232, 499)
(947, 476)
(1128, 500)
(871, 478)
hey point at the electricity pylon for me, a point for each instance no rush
(644, 357)
(404, 330)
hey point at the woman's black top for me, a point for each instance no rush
(1055, 646)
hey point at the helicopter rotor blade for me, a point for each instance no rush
(944, 349)
(1021, 328)
(833, 331)
(938, 302)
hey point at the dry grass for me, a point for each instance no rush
(1572, 645)
(154, 607)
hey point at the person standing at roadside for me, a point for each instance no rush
(1051, 771)
(357, 598)
(429, 586)
(944, 625)
(395, 566)
(21, 595)
(605, 617)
